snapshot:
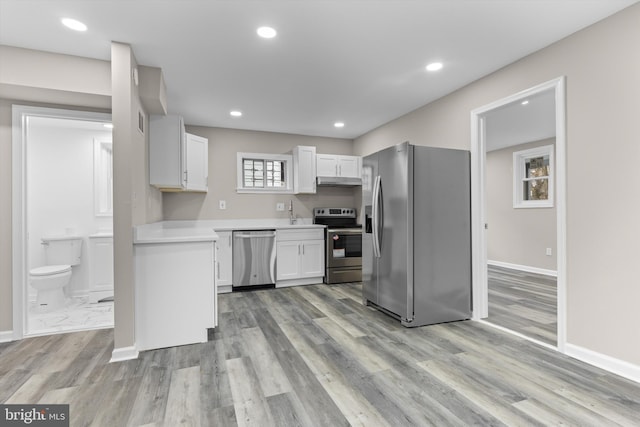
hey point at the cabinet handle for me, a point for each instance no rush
(303, 249)
(218, 273)
(298, 249)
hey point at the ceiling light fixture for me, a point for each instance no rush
(266, 32)
(338, 124)
(74, 24)
(434, 66)
(236, 113)
(525, 102)
(108, 125)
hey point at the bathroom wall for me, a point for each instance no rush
(60, 182)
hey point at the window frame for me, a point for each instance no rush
(519, 160)
(288, 171)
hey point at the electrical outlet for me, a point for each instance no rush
(222, 204)
(280, 206)
(549, 253)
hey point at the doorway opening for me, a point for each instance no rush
(537, 199)
(62, 221)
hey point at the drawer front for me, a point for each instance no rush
(300, 234)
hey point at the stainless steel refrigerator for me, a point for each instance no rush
(416, 244)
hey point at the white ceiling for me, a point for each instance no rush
(360, 62)
(517, 123)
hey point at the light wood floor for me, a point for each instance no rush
(314, 356)
(524, 302)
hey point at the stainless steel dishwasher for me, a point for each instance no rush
(254, 258)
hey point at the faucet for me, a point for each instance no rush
(292, 219)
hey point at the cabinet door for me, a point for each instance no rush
(288, 260)
(304, 169)
(326, 165)
(197, 167)
(312, 258)
(349, 166)
(224, 245)
(166, 151)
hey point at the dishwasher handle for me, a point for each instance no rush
(254, 235)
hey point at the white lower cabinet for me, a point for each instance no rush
(175, 293)
(300, 257)
(224, 261)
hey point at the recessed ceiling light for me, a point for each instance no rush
(434, 66)
(339, 124)
(74, 24)
(266, 32)
(525, 102)
(108, 125)
(236, 113)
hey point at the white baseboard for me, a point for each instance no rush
(6, 336)
(525, 268)
(124, 353)
(611, 364)
(225, 289)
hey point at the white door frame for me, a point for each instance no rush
(20, 122)
(478, 212)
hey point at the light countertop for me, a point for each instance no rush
(205, 230)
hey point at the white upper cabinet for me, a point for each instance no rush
(197, 171)
(178, 161)
(333, 165)
(304, 169)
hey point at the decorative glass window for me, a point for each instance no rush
(533, 178)
(264, 173)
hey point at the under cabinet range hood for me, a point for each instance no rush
(338, 181)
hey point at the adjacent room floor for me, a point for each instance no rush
(524, 302)
(314, 356)
(78, 315)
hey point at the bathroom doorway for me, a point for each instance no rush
(62, 199)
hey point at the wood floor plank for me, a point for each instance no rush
(357, 410)
(289, 357)
(183, 401)
(248, 400)
(272, 378)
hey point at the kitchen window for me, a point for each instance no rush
(264, 173)
(533, 178)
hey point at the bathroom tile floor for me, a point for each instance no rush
(79, 314)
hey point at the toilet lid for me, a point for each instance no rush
(50, 269)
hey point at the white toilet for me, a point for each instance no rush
(61, 253)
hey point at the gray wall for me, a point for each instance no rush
(602, 65)
(223, 146)
(516, 236)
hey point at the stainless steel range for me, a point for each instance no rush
(343, 244)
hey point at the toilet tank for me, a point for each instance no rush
(62, 250)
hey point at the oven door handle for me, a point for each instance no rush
(376, 217)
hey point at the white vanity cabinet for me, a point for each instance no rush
(334, 165)
(224, 261)
(304, 169)
(300, 256)
(178, 161)
(100, 266)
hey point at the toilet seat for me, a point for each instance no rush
(48, 270)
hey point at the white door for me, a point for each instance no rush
(349, 166)
(288, 260)
(326, 165)
(197, 149)
(312, 258)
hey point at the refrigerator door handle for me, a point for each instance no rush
(376, 217)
